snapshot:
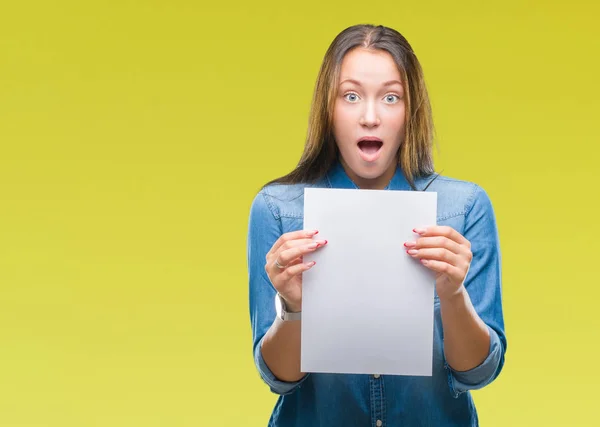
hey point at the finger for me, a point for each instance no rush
(293, 235)
(287, 244)
(436, 242)
(297, 243)
(288, 255)
(294, 262)
(443, 267)
(274, 272)
(442, 230)
(438, 254)
(294, 270)
(272, 256)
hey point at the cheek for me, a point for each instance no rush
(396, 120)
(342, 120)
(396, 116)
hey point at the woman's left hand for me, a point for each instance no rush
(445, 251)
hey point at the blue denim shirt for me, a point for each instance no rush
(320, 399)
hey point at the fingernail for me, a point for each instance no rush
(310, 264)
(424, 261)
(412, 251)
(313, 245)
(419, 230)
(410, 244)
(322, 243)
(312, 233)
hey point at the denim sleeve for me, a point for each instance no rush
(263, 230)
(483, 284)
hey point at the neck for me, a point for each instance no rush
(378, 183)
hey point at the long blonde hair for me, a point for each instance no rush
(320, 151)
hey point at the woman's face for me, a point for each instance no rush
(368, 118)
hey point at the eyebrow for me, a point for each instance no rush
(356, 82)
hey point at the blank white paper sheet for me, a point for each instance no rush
(367, 306)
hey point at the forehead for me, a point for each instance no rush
(369, 65)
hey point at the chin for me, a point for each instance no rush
(371, 170)
(368, 170)
(370, 173)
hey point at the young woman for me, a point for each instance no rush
(371, 128)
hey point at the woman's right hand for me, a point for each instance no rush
(285, 265)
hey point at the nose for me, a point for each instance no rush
(369, 116)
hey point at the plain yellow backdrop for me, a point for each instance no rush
(134, 135)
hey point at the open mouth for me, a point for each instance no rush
(370, 149)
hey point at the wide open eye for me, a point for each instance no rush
(392, 99)
(351, 94)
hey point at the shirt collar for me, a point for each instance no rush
(338, 178)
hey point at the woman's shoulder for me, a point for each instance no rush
(457, 196)
(284, 192)
(285, 200)
(448, 184)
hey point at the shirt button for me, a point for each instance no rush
(378, 423)
(376, 376)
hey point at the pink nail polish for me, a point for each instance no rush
(322, 244)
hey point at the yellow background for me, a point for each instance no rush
(134, 135)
